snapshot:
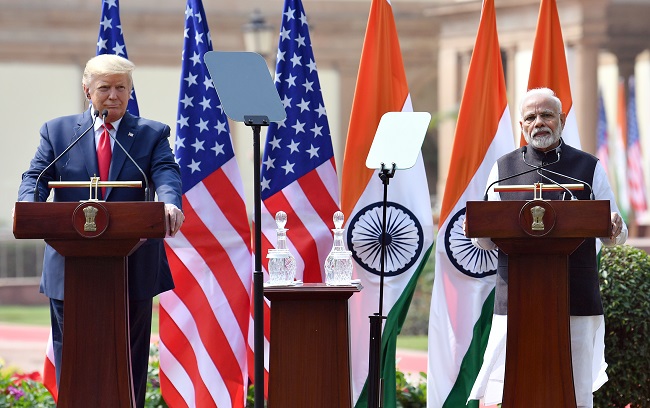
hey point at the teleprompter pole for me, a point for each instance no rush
(375, 380)
(256, 123)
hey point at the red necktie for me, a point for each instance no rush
(104, 155)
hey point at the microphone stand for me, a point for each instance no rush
(375, 380)
(94, 114)
(256, 123)
(147, 195)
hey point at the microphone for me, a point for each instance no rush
(146, 181)
(558, 150)
(95, 114)
(535, 168)
(591, 190)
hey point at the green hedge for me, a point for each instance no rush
(625, 287)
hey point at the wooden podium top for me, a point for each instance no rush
(85, 228)
(63, 220)
(559, 219)
(311, 291)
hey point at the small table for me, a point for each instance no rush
(309, 361)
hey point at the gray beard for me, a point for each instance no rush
(543, 142)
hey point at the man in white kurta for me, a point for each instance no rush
(542, 121)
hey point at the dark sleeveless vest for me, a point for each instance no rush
(584, 290)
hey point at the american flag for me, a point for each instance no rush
(298, 169)
(635, 177)
(204, 321)
(602, 147)
(111, 40)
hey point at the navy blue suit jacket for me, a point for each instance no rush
(147, 142)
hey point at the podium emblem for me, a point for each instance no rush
(90, 213)
(538, 218)
(90, 219)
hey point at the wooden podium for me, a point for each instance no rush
(95, 237)
(538, 237)
(309, 360)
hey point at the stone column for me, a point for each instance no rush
(449, 86)
(585, 93)
(509, 68)
(626, 60)
(347, 83)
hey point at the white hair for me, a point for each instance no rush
(106, 64)
(546, 92)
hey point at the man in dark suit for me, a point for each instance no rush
(107, 84)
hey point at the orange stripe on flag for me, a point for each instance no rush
(548, 68)
(483, 103)
(377, 91)
(460, 316)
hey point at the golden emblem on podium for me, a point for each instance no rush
(90, 213)
(538, 218)
(90, 219)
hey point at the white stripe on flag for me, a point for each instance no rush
(176, 375)
(327, 174)
(210, 375)
(219, 225)
(570, 133)
(457, 299)
(216, 297)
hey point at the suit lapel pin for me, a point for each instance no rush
(130, 134)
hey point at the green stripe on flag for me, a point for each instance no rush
(473, 359)
(393, 326)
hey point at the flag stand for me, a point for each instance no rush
(409, 128)
(248, 94)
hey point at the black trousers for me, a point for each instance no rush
(140, 312)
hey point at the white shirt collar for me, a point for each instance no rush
(100, 122)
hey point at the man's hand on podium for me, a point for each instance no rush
(618, 234)
(617, 225)
(173, 219)
(480, 243)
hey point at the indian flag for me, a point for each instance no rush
(381, 87)
(463, 291)
(548, 68)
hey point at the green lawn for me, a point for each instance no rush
(412, 342)
(29, 315)
(40, 316)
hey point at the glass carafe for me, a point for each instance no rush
(282, 265)
(338, 265)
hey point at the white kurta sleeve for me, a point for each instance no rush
(603, 191)
(486, 243)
